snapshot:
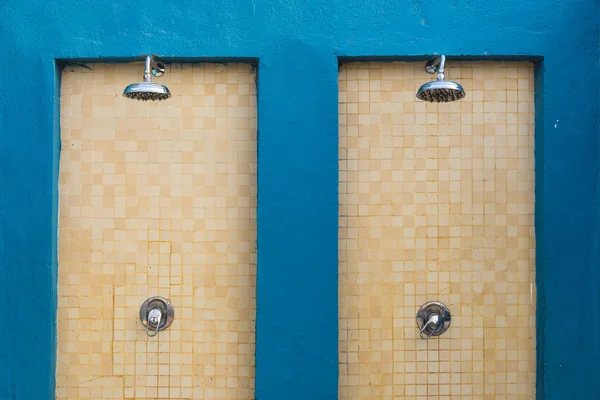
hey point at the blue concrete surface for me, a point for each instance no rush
(297, 43)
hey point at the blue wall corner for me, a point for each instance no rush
(28, 200)
(539, 226)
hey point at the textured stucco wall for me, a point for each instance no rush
(297, 45)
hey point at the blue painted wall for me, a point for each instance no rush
(297, 44)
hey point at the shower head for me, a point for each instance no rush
(148, 90)
(440, 90)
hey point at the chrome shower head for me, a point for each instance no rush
(148, 90)
(440, 90)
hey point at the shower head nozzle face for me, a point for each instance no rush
(147, 91)
(441, 92)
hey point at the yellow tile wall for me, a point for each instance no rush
(436, 204)
(157, 199)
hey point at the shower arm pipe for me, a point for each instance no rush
(150, 64)
(438, 65)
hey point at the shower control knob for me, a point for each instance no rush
(433, 319)
(157, 314)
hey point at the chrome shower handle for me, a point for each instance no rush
(156, 314)
(434, 320)
(154, 320)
